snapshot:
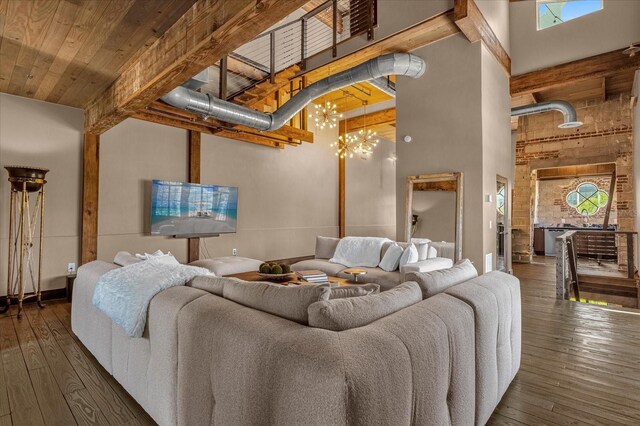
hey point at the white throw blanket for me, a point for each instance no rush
(124, 294)
(359, 251)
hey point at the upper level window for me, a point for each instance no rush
(554, 12)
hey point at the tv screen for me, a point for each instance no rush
(189, 209)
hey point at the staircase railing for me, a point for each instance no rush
(292, 43)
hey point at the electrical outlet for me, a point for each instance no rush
(71, 268)
(234, 252)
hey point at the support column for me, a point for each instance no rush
(90, 181)
(342, 225)
(193, 252)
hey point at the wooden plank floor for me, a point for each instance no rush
(47, 377)
(580, 365)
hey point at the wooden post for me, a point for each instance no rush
(193, 252)
(612, 188)
(342, 225)
(631, 263)
(90, 180)
(222, 86)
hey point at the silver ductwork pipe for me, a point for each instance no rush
(202, 103)
(567, 110)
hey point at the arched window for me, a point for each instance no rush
(587, 198)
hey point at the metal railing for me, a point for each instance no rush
(594, 253)
(293, 42)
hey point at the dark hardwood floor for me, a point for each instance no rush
(580, 365)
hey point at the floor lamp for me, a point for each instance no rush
(23, 224)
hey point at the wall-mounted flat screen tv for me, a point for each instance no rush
(183, 209)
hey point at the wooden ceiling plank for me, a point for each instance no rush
(12, 38)
(101, 31)
(165, 65)
(378, 118)
(421, 34)
(88, 13)
(55, 36)
(38, 21)
(475, 27)
(583, 69)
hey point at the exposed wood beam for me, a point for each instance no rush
(288, 133)
(175, 122)
(603, 89)
(90, 180)
(475, 27)
(201, 37)
(342, 188)
(193, 249)
(564, 172)
(378, 118)
(446, 185)
(421, 34)
(560, 75)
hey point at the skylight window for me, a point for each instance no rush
(554, 12)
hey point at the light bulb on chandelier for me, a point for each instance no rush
(326, 115)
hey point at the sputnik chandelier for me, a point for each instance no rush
(365, 140)
(345, 146)
(326, 115)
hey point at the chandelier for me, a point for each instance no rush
(365, 141)
(326, 115)
(345, 146)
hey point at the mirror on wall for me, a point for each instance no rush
(434, 210)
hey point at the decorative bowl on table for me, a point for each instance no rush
(275, 271)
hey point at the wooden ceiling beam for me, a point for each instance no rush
(421, 34)
(475, 27)
(207, 32)
(583, 69)
(378, 118)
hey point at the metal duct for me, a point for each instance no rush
(385, 85)
(567, 110)
(203, 103)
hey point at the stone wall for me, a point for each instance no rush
(606, 137)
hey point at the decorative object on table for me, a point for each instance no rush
(313, 276)
(25, 219)
(275, 271)
(355, 272)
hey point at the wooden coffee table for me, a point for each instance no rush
(294, 280)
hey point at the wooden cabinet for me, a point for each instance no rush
(538, 241)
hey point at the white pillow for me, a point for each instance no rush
(423, 250)
(391, 258)
(432, 252)
(410, 255)
(147, 256)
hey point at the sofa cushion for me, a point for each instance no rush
(435, 282)
(290, 302)
(124, 258)
(410, 255)
(212, 284)
(325, 247)
(227, 265)
(355, 290)
(423, 249)
(352, 312)
(391, 259)
(384, 279)
(323, 265)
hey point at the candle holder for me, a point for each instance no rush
(24, 221)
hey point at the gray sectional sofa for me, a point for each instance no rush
(326, 246)
(224, 351)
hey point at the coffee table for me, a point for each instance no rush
(294, 280)
(355, 272)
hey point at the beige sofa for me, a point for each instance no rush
(206, 359)
(326, 246)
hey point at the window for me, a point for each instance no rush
(500, 201)
(587, 199)
(554, 12)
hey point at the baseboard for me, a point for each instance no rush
(57, 293)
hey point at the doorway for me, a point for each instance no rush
(502, 230)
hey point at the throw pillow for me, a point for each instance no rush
(345, 291)
(344, 314)
(290, 302)
(432, 252)
(325, 247)
(391, 259)
(410, 255)
(124, 258)
(434, 282)
(423, 250)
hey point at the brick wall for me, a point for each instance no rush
(606, 137)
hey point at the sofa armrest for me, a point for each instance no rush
(428, 265)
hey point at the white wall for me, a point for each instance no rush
(614, 27)
(40, 134)
(371, 193)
